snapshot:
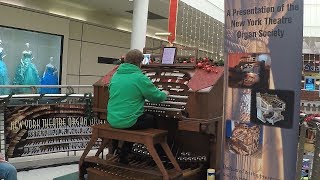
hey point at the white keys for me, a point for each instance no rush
(150, 74)
(177, 74)
(168, 74)
(176, 89)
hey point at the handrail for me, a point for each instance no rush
(39, 95)
(44, 86)
(34, 88)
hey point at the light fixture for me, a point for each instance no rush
(163, 34)
(73, 16)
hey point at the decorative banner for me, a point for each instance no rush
(263, 50)
(43, 129)
(172, 22)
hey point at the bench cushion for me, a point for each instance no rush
(144, 132)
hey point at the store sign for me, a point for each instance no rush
(43, 129)
(309, 84)
(262, 97)
(309, 67)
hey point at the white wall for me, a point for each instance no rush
(311, 18)
(218, 3)
(214, 8)
(87, 42)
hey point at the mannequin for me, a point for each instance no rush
(49, 66)
(27, 73)
(4, 79)
(50, 77)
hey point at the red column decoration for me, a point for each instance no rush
(172, 20)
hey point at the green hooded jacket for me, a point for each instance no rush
(128, 89)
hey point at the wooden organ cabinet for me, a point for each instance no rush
(192, 114)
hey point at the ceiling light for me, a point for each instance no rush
(163, 34)
(72, 16)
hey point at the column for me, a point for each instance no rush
(139, 24)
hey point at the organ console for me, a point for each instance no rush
(192, 114)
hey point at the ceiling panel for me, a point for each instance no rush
(118, 7)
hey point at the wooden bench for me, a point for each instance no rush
(148, 137)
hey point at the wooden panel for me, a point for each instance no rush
(215, 100)
(101, 97)
(206, 105)
(103, 116)
(189, 126)
(94, 174)
(96, 97)
(104, 96)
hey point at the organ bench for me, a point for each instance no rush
(148, 137)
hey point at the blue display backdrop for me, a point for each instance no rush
(263, 62)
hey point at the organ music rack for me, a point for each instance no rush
(193, 118)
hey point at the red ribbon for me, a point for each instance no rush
(172, 20)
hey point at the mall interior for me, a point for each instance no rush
(58, 58)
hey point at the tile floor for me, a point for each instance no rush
(50, 172)
(47, 173)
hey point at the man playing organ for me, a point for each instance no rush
(129, 88)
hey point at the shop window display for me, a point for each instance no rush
(50, 77)
(29, 58)
(4, 79)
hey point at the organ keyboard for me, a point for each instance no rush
(192, 114)
(176, 83)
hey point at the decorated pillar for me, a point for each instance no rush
(172, 20)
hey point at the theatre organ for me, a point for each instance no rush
(192, 114)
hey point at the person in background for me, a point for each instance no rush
(7, 170)
(128, 89)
